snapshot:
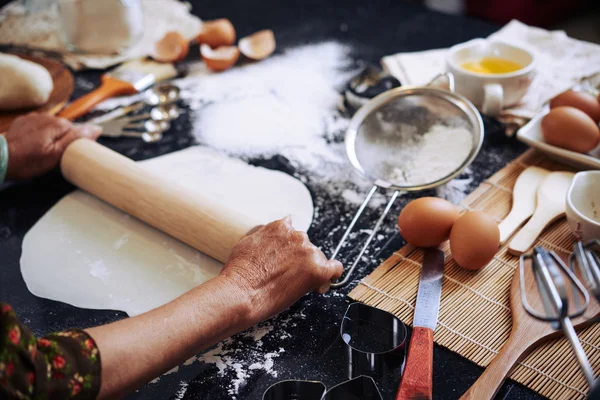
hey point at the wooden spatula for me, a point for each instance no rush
(527, 333)
(524, 201)
(551, 204)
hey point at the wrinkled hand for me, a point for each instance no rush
(276, 265)
(37, 141)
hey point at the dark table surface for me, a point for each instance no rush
(308, 332)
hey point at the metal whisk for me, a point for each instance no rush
(549, 272)
(585, 258)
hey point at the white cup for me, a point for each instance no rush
(491, 92)
(583, 205)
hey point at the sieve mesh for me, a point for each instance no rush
(415, 138)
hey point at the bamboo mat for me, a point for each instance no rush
(475, 317)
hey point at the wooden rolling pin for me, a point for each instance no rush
(196, 220)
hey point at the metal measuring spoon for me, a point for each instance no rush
(165, 93)
(150, 126)
(151, 137)
(162, 94)
(125, 128)
(165, 112)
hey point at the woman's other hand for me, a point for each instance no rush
(275, 265)
(37, 141)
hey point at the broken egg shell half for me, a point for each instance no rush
(259, 45)
(216, 33)
(221, 58)
(173, 47)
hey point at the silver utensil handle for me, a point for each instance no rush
(117, 113)
(584, 362)
(369, 239)
(449, 77)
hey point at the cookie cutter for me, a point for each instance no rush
(359, 388)
(374, 343)
(375, 340)
(295, 390)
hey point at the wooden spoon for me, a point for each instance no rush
(551, 205)
(527, 333)
(524, 201)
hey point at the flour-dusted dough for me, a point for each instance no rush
(23, 84)
(89, 254)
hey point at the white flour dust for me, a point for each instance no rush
(99, 270)
(286, 105)
(433, 156)
(241, 356)
(183, 386)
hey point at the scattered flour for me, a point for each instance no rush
(238, 359)
(121, 242)
(183, 386)
(455, 190)
(286, 105)
(99, 270)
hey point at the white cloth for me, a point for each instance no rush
(41, 31)
(562, 63)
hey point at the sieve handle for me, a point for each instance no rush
(449, 77)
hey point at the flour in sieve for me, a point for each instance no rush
(433, 156)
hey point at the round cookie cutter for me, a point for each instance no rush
(375, 340)
(374, 345)
(359, 388)
(295, 390)
(391, 122)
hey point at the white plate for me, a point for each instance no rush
(531, 134)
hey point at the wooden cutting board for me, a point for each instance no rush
(63, 89)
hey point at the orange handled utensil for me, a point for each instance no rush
(417, 379)
(130, 78)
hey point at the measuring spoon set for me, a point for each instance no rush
(149, 126)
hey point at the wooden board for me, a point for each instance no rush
(63, 89)
(475, 316)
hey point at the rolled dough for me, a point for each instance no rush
(89, 254)
(23, 84)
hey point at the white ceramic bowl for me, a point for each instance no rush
(532, 135)
(583, 205)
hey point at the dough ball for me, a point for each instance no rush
(23, 84)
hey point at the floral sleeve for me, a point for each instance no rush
(64, 365)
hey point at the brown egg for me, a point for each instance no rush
(580, 100)
(571, 129)
(221, 58)
(173, 47)
(474, 240)
(426, 222)
(259, 45)
(216, 33)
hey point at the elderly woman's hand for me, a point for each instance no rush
(37, 141)
(276, 265)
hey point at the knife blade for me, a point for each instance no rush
(417, 380)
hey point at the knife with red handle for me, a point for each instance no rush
(417, 379)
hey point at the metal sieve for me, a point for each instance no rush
(410, 139)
